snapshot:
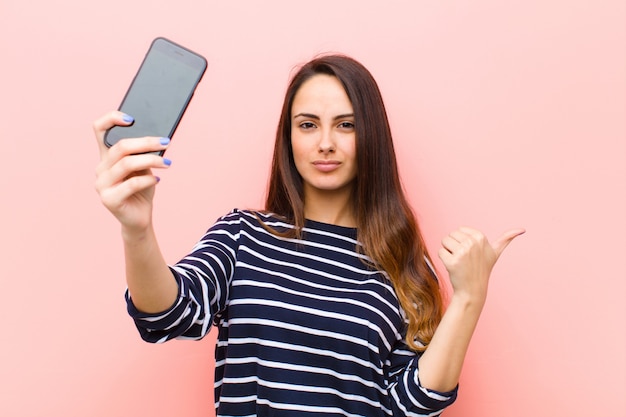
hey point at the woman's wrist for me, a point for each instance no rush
(136, 235)
(467, 302)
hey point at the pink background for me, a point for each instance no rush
(505, 114)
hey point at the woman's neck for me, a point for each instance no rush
(332, 207)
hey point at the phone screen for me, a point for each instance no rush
(160, 91)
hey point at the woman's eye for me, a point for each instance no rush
(307, 125)
(346, 125)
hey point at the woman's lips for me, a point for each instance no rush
(326, 166)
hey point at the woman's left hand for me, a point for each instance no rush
(469, 258)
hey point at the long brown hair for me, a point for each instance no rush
(386, 226)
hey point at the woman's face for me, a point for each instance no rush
(323, 138)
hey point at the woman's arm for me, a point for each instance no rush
(126, 187)
(203, 278)
(469, 259)
(151, 284)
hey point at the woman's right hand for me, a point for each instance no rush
(124, 178)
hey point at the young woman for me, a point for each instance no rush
(325, 302)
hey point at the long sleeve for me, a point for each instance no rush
(203, 279)
(407, 395)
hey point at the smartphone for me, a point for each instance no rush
(160, 92)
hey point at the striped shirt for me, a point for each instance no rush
(305, 327)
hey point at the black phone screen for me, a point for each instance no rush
(160, 91)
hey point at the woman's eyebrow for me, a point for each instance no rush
(316, 117)
(307, 116)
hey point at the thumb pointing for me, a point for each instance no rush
(503, 241)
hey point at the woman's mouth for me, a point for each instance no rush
(326, 166)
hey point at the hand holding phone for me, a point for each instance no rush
(160, 92)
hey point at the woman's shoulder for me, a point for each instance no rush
(260, 215)
(255, 218)
(261, 221)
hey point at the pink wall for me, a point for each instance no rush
(505, 113)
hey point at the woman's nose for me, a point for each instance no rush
(327, 142)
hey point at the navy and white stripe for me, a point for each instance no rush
(305, 327)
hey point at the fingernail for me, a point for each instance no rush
(158, 179)
(167, 162)
(165, 141)
(128, 118)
